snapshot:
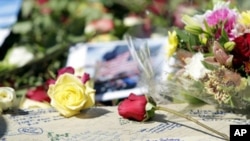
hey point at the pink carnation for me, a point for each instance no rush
(220, 16)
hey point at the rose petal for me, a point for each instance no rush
(66, 70)
(38, 94)
(85, 78)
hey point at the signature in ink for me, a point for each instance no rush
(30, 130)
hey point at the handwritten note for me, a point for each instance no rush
(104, 124)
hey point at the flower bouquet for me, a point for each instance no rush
(211, 64)
(212, 58)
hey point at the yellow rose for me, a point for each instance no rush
(69, 95)
(7, 98)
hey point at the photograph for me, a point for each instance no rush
(112, 67)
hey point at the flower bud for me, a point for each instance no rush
(193, 29)
(137, 107)
(203, 39)
(172, 44)
(191, 25)
(229, 46)
(7, 98)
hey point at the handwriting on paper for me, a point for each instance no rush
(217, 115)
(104, 124)
(161, 127)
(34, 117)
(207, 113)
(30, 130)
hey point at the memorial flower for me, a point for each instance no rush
(7, 98)
(212, 56)
(70, 93)
(38, 93)
(134, 107)
(142, 108)
(211, 62)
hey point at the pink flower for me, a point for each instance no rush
(101, 25)
(220, 16)
(38, 94)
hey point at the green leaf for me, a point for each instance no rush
(209, 30)
(22, 27)
(209, 66)
(224, 37)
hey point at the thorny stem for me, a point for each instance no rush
(193, 120)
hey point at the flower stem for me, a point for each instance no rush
(193, 120)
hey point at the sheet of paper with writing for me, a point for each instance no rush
(104, 124)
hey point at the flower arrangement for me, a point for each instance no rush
(212, 58)
(211, 65)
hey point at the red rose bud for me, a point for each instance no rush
(85, 78)
(137, 107)
(38, 94)
(65, 70)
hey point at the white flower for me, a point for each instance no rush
(194, 68)
(89, 29)
(19, 56)
(132, 20)
(7, 98)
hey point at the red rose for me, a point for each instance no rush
(141, 108)
(241, 50)
(38, 94)
(134, 107)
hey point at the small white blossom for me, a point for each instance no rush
(7, 98)
(19, 56)
(194, 68)
(132, 20)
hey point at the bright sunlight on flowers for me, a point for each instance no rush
(213, 56)
(70, 94)
(7, 98)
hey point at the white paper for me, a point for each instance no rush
(105, 124)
